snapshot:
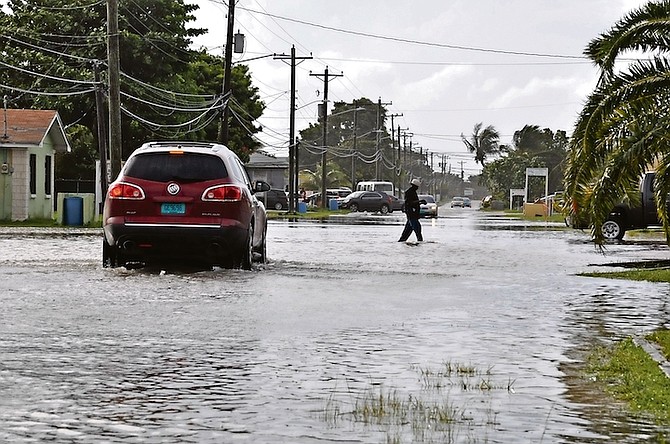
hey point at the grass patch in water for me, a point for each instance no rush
(426, 414)
(629, 374)
(651, 275)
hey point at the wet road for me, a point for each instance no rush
(344, 336)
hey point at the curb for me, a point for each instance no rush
(654, 351)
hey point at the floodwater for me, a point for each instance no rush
(344, 336)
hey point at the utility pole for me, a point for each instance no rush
(102, 133)
(355, 152)
(324, 122)
(223, 123)
(114, 85)
(406, 162)
(431, 173)
(379, 136)
(293, 166)
(396, 164)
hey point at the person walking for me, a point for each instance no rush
(413, 211)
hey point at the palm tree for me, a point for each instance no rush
(482, 142)
(335, 177)
(624, 126)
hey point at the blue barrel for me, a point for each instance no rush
(332, 204)
(73, 208)
(302, 207)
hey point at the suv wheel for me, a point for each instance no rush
(108, 255)
(248, 252)
(613, 229)
(264, 250)
(353, 207)
(279, 206)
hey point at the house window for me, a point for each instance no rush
(47, 175)
(33, 174)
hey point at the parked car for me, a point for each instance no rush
(556, 200)
(457, 202)
(183, 201)
(467, 203)
(274, 198)
(314, 199)
(428, 209)
(368, 201)
(397, 204)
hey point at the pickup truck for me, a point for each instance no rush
(623, 217)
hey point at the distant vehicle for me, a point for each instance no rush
(183, 202)
(376, 185)
(338, 192)
(556, 199)
(397, 204)
(457, 202)
(368, 201)
(429, 209)
(331, 193)
(467, 203)
(274, 198)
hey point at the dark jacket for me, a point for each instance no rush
(412, 203)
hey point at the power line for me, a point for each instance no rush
(414, 42)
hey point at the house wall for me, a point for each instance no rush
(27, 205)
(20, 184)
(5, 184)
(40, 204)
(275, 177)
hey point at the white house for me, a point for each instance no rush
(29, 140)
(271, 169)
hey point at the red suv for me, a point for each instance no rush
(184, 201)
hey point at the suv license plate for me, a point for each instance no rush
(173, 208)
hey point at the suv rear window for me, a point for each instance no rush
(186, 167)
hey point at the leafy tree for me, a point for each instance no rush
(548, 149)
(335, 177)
(531, 148)
(51, 50)
(80, 162)
(622, 129)
(340, 146)
(483, 142)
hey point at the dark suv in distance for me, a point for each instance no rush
(184, 203)
(368, 201)
(274, 198)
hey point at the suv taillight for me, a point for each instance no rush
(124, 190)
(223, 193)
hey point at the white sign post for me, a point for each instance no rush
(541, 172)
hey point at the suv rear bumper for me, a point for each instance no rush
(156, 241)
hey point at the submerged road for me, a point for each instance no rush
(478, 334)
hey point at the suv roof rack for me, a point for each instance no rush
(185, 143)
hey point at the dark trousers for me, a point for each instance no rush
(411, 225)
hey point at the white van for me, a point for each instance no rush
(375, 185)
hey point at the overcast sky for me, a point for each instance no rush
(445, 65)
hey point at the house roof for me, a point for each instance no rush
(260, 159)
(21, 128)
